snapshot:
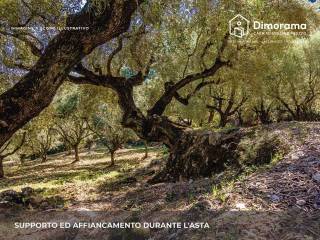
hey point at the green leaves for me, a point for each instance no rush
(68, 105)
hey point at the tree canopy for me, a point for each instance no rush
(165, 66)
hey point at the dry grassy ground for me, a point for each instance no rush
(274, 201)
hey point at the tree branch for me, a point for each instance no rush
(185, 101)
(34, 49)
(17, 147)
(243, 100)
(215, 108)
(112, 55)
(12, 64)
(191, 54)
(170, 92)
(36, 89)
(115, 83)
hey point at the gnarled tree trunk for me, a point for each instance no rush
(200, 154)
(223, 120)
(191, 155)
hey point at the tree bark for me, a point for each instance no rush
(210, 118)
(200, 154)
(76, 154)
(1, 168)
(263, 112)
(112, 153)
(44, 158)
(223, 120)
(145, 150)
(264, 118)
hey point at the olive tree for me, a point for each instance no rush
(106, 126)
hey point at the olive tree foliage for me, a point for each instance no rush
(173, 49)
(107, 128)
(278, 82)
(11, 147)
(52, 54)
(40, 136)
(297, 85)
(174, 40)
(227, 100)
(143, 59)
(71, 122)
(282, 83)
(22, 46)
(73, 130)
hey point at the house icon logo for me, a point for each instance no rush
(239, 26)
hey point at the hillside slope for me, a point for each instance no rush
(279, 199)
